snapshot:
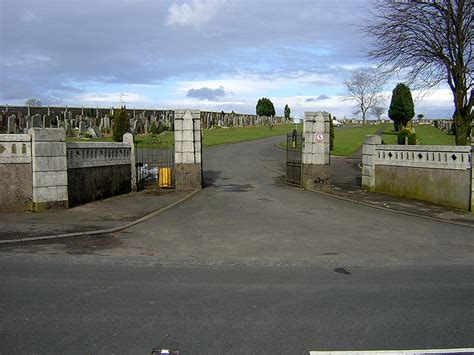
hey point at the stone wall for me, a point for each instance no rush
(98, 170)
(16, 172)
(438, 174)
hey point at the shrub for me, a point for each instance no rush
(120, 124)
(153, 128)
(405, 133)
(331, 133)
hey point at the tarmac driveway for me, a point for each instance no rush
(247, 215)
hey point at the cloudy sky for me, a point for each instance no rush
(207, 54)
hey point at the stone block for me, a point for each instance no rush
(368, 170)
(320, 159)
(308, 137)
(188, 158)
(307, 158)
(373, 139)
(178, 156)
(49, 149)
(320, 127)
(368, 183)
(367, 159)
(49, 164)
(188, 147)
(49, 178)
(45, 194)
(308, 127)
(319, 148)
(188, 125)
(198, 158)
(197, 125)
(197, 147)
(178, 136)
(188, 136)
(178, 125)
(307, 148)
(368, 149)
(178, 146)
(48, 134)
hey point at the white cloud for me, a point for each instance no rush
(253, 84)
(111, 98)
(196, 13)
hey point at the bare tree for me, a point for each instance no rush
(429, 42)
(365, 87)
(33, 103)
(377, 111)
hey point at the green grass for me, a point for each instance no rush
(425, 134)
(218, 136)
(347, 141)
(211, 137)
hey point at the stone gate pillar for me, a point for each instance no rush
(315, 166)
(187, 145)
(49, 165)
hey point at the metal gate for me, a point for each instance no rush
(155, 158)
(294, 147)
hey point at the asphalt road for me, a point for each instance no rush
(246, 266)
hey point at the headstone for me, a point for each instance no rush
(69, 131)
(11, 124)
(93, 132)
(46, 121)
(82, 127)
(36, 121)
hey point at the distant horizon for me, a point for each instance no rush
(73, 107)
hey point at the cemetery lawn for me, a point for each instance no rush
(216, 136)
(348, 140)
(425, 134)
(211, 137)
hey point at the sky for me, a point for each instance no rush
(206, 54)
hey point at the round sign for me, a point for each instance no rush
(319, 137)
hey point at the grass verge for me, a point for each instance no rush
(425, 134)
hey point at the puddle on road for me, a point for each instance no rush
(342, 270)
(235, 187)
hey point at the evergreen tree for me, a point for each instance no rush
(120, 124)
(402, 109)
(287, 112)
(265, 107)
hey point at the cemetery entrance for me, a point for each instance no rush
(155, 161)
(294, 148)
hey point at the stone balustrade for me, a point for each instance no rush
(96, 154)
(424, 156)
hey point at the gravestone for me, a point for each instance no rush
(36, 121)
(11, 126)
(82, 127)
(46, 121)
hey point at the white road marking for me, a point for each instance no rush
(396, 352)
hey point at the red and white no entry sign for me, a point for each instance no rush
(319, 137)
